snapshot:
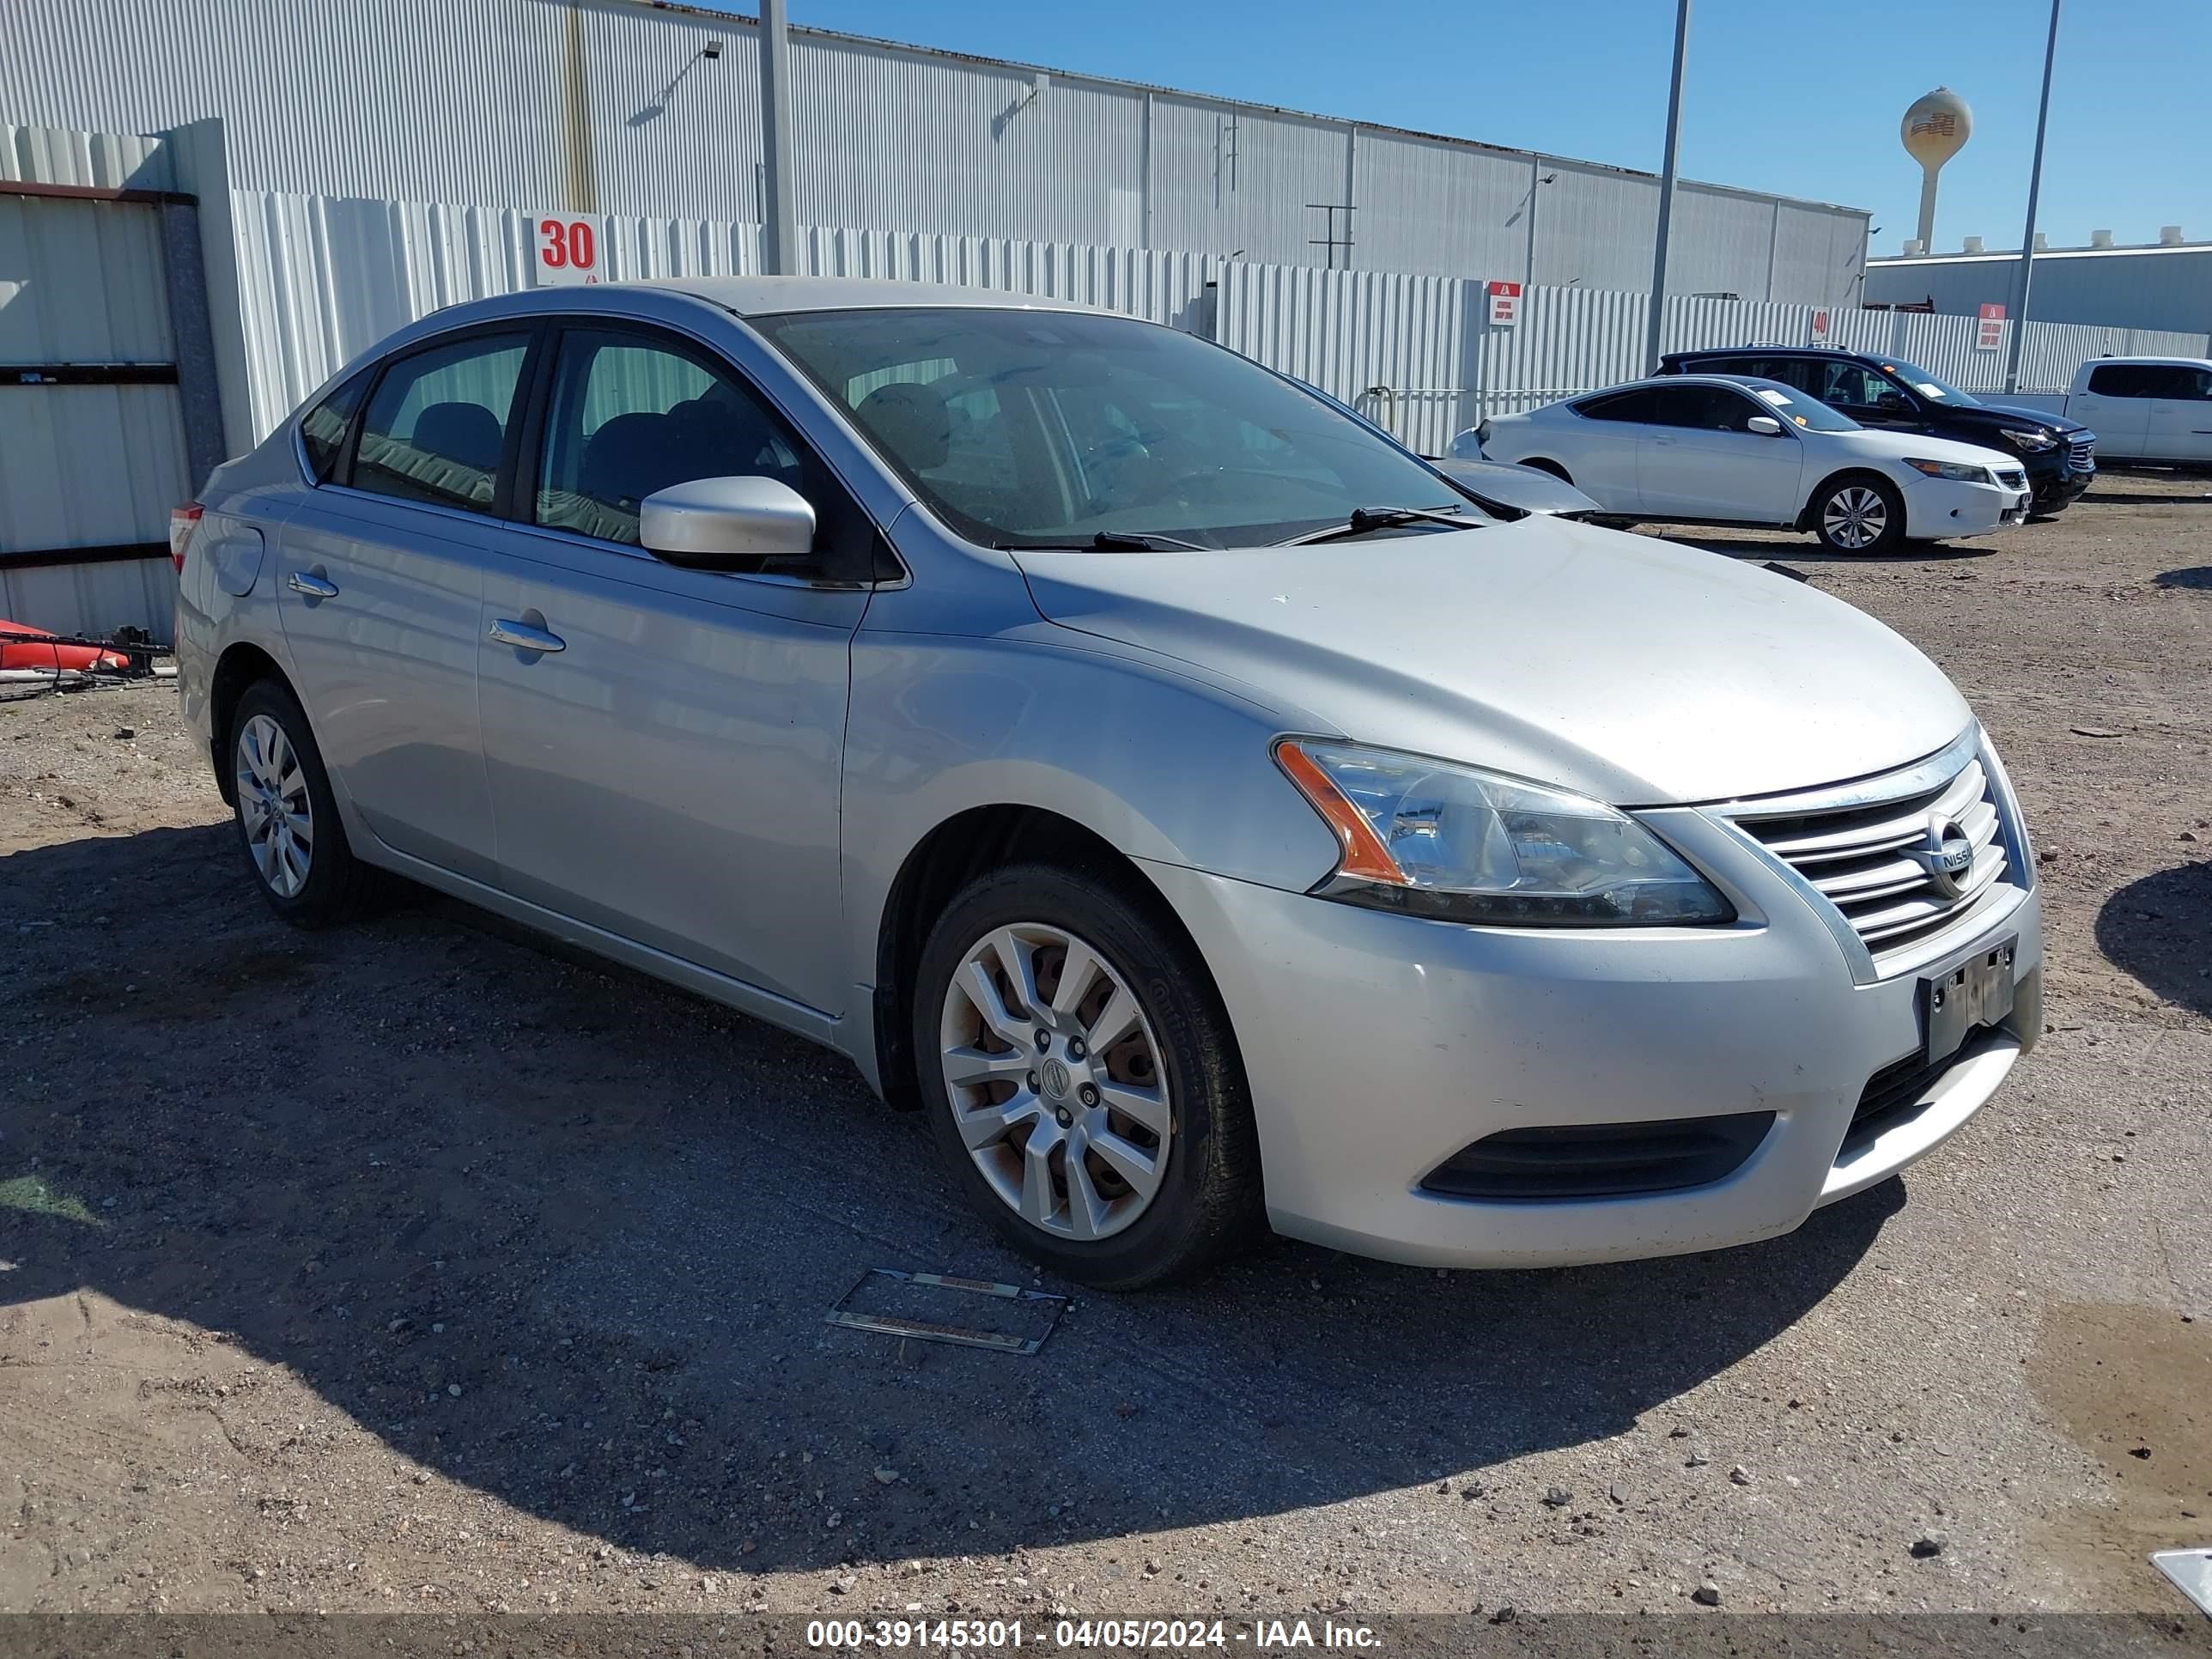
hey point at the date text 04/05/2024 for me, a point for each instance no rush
(1168, 1634)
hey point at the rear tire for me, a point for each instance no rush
(288, 831)
(1118, 1169)
(1859, 514)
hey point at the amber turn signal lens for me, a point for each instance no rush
(1365, 854)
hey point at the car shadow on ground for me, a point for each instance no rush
(568, 1237)
(2198, 576)
(2156, 929)
(1809, 551)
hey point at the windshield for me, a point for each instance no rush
(1927, 386)
(1808, 414)
(1033, 429)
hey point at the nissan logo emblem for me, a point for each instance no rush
(1946, 854)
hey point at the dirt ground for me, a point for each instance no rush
(416, 1266)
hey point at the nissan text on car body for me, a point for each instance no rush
(1725, 449)
(1183, 795)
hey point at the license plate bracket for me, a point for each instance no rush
(1971, 992)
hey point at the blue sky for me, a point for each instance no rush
(1799, 99)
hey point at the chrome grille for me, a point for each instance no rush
(2081, 454)
(1856, 855)
(2011, 477)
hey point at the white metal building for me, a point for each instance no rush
(616, 107)
(2162, 286)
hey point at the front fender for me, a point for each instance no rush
(1164, 767)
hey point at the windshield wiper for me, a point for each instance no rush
(1109, 541)
(1367, 519)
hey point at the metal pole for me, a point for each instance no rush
(779, 234)
(1928, 210)
(1667, 193)
(2027, 236)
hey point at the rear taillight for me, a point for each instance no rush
(183, 520)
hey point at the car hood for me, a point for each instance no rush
(1994, 415)
(1914, 446)
(1638, 670)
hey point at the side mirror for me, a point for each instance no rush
(1765, 425)
(726, 524)
(1892, 403)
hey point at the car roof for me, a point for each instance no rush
(2176, 362)
(1669, 381)
(756, 296)
(1768, 351)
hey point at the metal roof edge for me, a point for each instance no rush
(2012, 257)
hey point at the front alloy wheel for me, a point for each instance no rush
(1862, 516)
(1056, 1081)
(1079, 1074)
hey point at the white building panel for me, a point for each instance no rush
(612, 105)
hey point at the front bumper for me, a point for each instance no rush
(1950, 510)
(1377, 1046)
(2057, 480)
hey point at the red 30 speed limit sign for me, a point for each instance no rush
(568, 252)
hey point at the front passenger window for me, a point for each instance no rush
(434, 429)
(628, 419)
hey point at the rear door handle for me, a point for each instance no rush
(523, 637)
(313, 586)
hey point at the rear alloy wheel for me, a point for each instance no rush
(288, 823)
(1079, 1076)
(1862, 516)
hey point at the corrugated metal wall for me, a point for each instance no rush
(1419, 353)
(81, 281)
(323, 280)
(103, 160)
(2123, 289)
(607, 105)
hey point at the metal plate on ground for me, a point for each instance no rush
(968, 1313)
(2191, 1572)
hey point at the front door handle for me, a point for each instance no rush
(523, 637)
(313, 586)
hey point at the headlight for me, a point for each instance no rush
(1431, 839)
(1979, 475)
(2033, 443)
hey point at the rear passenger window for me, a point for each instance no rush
(2119, 380)
(629, 416)
(1802, 373)
(1640, 405)
(323, 429)
(437, 422)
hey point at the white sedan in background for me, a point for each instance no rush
(1711, 449)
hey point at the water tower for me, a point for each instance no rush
(1935, 129)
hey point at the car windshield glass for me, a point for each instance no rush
(1033, 429)
(1927, 386)
(1794, 408)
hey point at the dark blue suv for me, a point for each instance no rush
(2059, 455)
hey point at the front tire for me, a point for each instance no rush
(1080, 1077)
(1860, 515)
(288, 822)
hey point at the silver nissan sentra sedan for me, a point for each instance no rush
(1186, 798)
